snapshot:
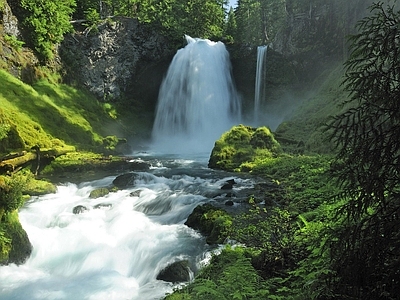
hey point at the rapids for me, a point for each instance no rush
(116, 251)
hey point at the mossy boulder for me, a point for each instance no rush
(215, 223)
(100, 192)
(241, 145)
(15, 246)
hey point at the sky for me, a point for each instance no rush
(232, 3)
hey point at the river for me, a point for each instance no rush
(115, 251)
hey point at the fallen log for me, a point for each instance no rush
(11, 165)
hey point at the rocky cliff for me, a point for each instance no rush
(117, 56)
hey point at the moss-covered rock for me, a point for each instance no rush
(15, 246)
(241, 145)
(100, 192)
(213, 222)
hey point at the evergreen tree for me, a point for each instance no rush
(366, 255)
(259, 20)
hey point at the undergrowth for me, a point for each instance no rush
(285, 238)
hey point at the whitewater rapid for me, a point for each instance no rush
(116, 248)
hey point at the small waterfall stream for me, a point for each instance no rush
(259, 93)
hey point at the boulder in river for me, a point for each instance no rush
(79, 209)
(100, 192)
(176, 272)
(125, 180)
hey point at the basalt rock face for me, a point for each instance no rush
(118, 60)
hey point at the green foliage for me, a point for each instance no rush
(230, 275)
(175, 18)
(5, 243)
(11, 192)
(258, 21)
(213, 222)
(14, 42)
(239, 146)
(47, 22)
(92, 17)
(367, 163)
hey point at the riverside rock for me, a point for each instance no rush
(176, 272)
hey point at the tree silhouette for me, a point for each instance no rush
(366, 256)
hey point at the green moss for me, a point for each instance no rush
(240, 146)
(15, 246)
(47, 112)
(213, 222)
(100, 192)
(11, 192)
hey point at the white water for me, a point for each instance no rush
(114, 252)
(197, 100)
(259, 93)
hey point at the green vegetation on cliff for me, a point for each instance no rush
(48, 114)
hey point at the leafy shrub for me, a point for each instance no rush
(14, 42)
(47, 22)
(11, 187)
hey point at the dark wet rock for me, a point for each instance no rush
(139, 165)
(229, 203)
(228, 185)
(117, 59)
(176, 272)
(135, 193)
(100, 192)
(125, 180)
(79, 209)
(103, 206)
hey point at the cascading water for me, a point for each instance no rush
(197, 99)
(116, 248)
(259, 93)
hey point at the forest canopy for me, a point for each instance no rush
(251, 22)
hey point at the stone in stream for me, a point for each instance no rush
(125, 180)
(79, 209)
(103, 206)
(176, 272)
(228, 185)
(100, 192)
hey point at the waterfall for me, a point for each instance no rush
(197, 100)
(260, 81)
